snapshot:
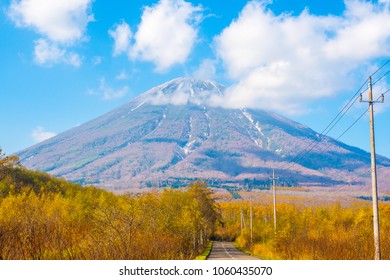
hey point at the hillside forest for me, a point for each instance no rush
(43, 217)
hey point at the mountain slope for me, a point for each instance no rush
(170, 133)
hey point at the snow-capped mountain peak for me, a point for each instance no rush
(182, 91)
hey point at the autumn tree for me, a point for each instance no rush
(8, 161)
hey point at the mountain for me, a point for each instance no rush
(169, 135)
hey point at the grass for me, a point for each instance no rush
(206, 252)
(242, 249)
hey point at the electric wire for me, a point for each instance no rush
(288, 165)
(380, 68)
(384, 75)
(326, 131)
(348, 128)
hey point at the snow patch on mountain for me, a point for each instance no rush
(257, 127)
(139, 105)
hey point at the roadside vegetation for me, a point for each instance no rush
(329, 232)
(42, 217)
(206, 252)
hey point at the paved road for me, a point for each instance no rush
(227, 251)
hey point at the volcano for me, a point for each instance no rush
(171, 135)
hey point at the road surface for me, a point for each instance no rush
(227, 251)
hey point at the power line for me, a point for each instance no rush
(384, 93)
(345, 131)
(356, 94)
(325, 132)
(358, 119)
(375, 82)
(380, 68)
(335, 121)
(300, 168)
(384, 75)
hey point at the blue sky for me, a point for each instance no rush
(65, 62)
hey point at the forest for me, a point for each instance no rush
(43, 217)
(322, 232)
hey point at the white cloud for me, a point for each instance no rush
(97, 60)
(121, 34)
(110, 93)
(122, 75)
(281, 62)
(46, 53)
(207, 70)
(359, 37)
(60, 23)
(90, 92)
(177, 98)
(39, 134)
(73, 59)
(167, 33)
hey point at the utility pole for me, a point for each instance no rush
(251, 218)
(373, 170)
(273, 178)
(242, 221)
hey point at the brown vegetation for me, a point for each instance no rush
(42, 217)
(315, 233)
